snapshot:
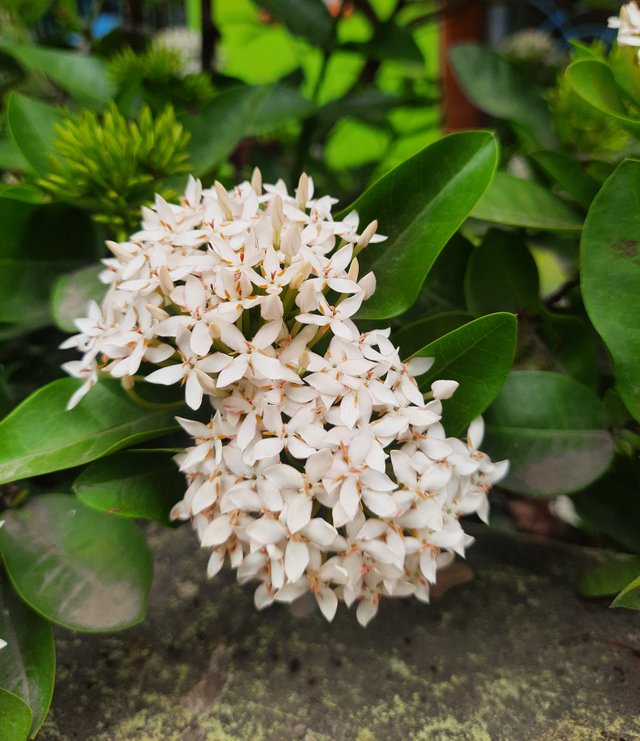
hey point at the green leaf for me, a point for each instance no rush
(420, 205)
(16, 717)
(307, 18)
(501, 89)
(390, 41)
(79, 568)
(569, 174)
(513, 201)
(411, 337)
(478, 355)
(80, 75)
(11, 158)
(593, 81)
(71, 294)
(629, 597)
(610, 275)
(24, 289)
(217, 129)
(28, 661)
(280, 104)
(31, 123)
(106, 420)
(136, 483)
(611, 505)
(572, 343)
(502, 275)
(609, 577)
(550, 427)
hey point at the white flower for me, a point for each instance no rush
(319, 467)
(628, 24)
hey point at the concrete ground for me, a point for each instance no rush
(513, 654)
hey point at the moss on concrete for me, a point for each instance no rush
(514, 654)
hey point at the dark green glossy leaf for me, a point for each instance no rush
(513, 201)
(420, 205)
(40, 436)
(281, 103)
(629, 597)
(611, 505)
(593, 81)
(16, 717)
(307, 18)
(610, 577)
(81, 569)
(71, 294)
(390, 41)
(24, 289)
(31, 123)
(478, 355)
(551, 429)
(443, 289)
(572, 343)
(80, 75)
(28, 661)
(610, 275)
(220, 126)
(136, 483)
(502, 275)
(411, 337)
(569, 174)
(499, 88)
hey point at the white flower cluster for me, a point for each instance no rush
(628, 24)
(317, 471)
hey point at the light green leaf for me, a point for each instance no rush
(307, 18)
(513, 201)
(478, 355)
(106, 420)
(72, 293)
(136, 483)
(629, 597)
(11, 158)
(411, 337)
(502, 275)
(80, 75)
(31, 123)
(593, 81)
(79, 568)
(610, 577)
(569, 174)
(16, 717)
(420, 205)
(28, 661)
(610, 275)
(551, 428)
(499, 88)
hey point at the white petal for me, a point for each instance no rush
(216, 562)
(296, 559)
(265, 531)
(167, 376)
(444, 389)
(366, 611)
(327, 602)
(217, 531)
(298, 512)
(193, 391)
(319, 531)
(200, 338)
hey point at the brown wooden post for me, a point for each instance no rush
(465, 22)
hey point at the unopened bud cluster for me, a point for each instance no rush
(322, 471)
